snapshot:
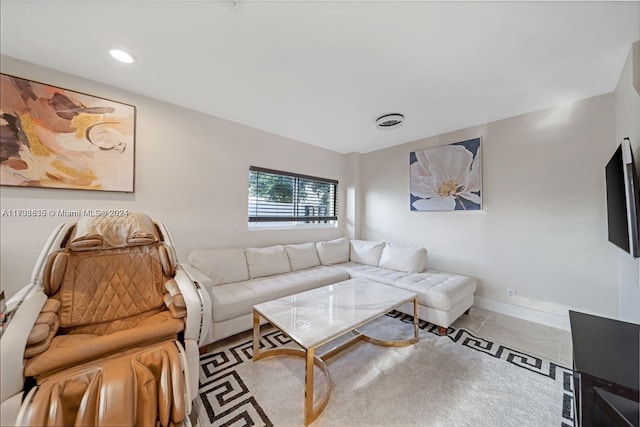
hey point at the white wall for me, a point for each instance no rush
(191, 173)
(627, 106)
(542, 230)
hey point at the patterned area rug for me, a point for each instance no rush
(457, 380)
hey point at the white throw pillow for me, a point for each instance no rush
(333, 251)
(409, 259)
(267, 261)
(302, 256)
(221, 265)
(366, 252)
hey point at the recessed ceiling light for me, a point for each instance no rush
(122, 56)
(389, 121)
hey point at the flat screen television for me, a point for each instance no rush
(623, 200)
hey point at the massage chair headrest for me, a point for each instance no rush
(103, 232)
(136, 229)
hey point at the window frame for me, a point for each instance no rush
(271, 222)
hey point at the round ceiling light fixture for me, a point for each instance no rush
(122, 56)
(389, 121)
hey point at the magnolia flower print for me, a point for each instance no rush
(443, 175)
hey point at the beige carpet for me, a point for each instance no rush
(458, 380)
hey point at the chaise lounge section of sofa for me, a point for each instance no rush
(236, 279)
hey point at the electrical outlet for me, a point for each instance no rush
(511, 293)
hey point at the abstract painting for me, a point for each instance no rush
(447, 178)
(57, 138)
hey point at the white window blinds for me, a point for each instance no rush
(276, 196)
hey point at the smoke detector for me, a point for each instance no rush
(389, 121)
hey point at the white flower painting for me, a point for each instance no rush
(447, 178)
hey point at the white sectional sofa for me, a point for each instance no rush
(236, 279)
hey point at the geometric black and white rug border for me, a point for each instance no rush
(227, 401)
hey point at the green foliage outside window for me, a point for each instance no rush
(280, 189)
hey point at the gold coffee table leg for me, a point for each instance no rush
(396, 343)
(256, 335)
(416, 326)
(310, 412)
(308, 388)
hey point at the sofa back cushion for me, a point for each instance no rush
(302, 256)
(366, 252)
(409, 259)
(333, 251)
(267, 261)
(221, 265)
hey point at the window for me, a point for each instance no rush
(290, 199)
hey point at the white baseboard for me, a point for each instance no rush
(554, 320)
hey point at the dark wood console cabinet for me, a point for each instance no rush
(606, 357)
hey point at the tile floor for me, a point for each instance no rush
(532, 338)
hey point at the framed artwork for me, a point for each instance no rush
(447, 178)
(57, 138)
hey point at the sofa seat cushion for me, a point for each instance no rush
(237, 299)
(68, 350)
(435, 289)
(438, 290)
(377, 274)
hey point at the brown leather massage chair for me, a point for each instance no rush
(107, 347)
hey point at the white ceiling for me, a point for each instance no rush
(321, 72)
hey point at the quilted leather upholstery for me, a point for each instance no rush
(102, 286)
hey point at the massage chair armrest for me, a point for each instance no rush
(177, 311)
(174, 300)
(14, 343)
(197, 322)
(44, 330)
(197, 303)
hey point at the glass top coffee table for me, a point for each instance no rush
(317, 317)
